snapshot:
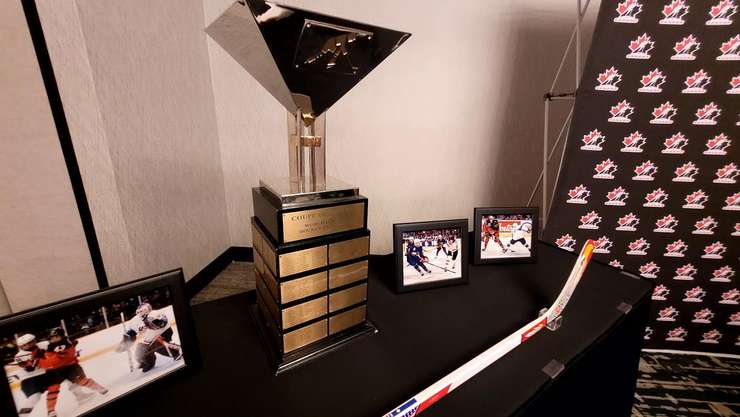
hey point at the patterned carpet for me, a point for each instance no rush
(669, 384)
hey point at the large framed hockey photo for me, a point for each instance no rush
(505, 234)
(78, 356)
(430, 254)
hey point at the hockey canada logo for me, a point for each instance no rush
(730, 297)
(736, 232)
(655, 198)
(578, 195)
(608, 80)
(720, 13)
(705, 116)
(718, 145)
(648, 333)
(652, 81)
(616, 264)
(628, 223)
(666, 224)
(695, 200)
(627, 11)
(649, 270)
(616, 197)
(734, 319)
(677, 335)
(664, 114)
(714, 250)
(590, 220)
(621, 112)
(711, 336)
(729, 49)
(660, 292)
(696, 83)
(704, 226)
(732, 202)
(605, 170)
(674, 12)
(695, 295)
(668, 314)
(723, 274)
(640, 48)
(638, 247)
(704, 316)
(726, 174)
(675, 249)
(734, 85)
(675, 144)
(685, 273)
(602, 245)
(685, 49)
(645, 171)
(633, 143)
(592, 141)
(685, 173)
(566, 242)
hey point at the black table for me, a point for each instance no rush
(423, 336)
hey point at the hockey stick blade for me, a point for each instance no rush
(459, 376)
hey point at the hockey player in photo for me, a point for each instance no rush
(492, 229)
(151, 334)
(60, 360)
(441, 246)
(415, 256)
(34, 380)
(452, 252)
(519, 230)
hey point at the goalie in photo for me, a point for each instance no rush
(431, 255)
(506, 236)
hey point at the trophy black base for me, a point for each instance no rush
(281, 363)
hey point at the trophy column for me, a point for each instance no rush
(309, 231)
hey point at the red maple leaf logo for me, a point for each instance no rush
(604, 165)
(716, 141)
(624, 7)
(644, 167)
(607, 75)
(638, 43)
(627, 219)
(577, 191)
(564, 240)
(735, 81)
(727, 171)
(695, 78)
(677, 246)
(665, 221)
(720, 8)
(685, 169)
(733, 200)
(649, 267)
(672, 7)
(637, 244)
(707, 111)
(686, 270)
(611, 195)
(685, 44)
(663, 109)
(655, 195)
(731, 45)
(704, 223)
(695, 196)
(620, 108)
(651, 77)
(723, 272)
(675, 140)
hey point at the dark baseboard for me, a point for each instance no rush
(211, 271)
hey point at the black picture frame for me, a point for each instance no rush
(478, 215)
(173, 281)
(461, 225)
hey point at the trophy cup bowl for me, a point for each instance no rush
(310, 236)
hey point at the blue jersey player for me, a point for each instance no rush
(415, 256)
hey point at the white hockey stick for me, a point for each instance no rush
(439, 389)
(128, 349)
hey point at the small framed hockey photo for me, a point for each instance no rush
(430, 254)
(505, 235)
(78, 356)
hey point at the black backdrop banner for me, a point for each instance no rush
(651, 163)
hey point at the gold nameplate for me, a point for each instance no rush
(349, 249)
(347, 274)
(304, 312)
(346, 320)
(302, 260)
(302, 287)
(306, 224)
(304, 336)
(344, 298)
(270, 282)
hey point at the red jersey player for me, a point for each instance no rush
(491, 230)
(61, 363)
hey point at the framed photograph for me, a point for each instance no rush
(506, 235)
(75, 357)
(430, 254)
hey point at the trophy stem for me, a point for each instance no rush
(307, 152)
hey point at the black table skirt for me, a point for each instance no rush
(423, 336)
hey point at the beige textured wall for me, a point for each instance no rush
(137, 77)
(451, 121)
(43, 253)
